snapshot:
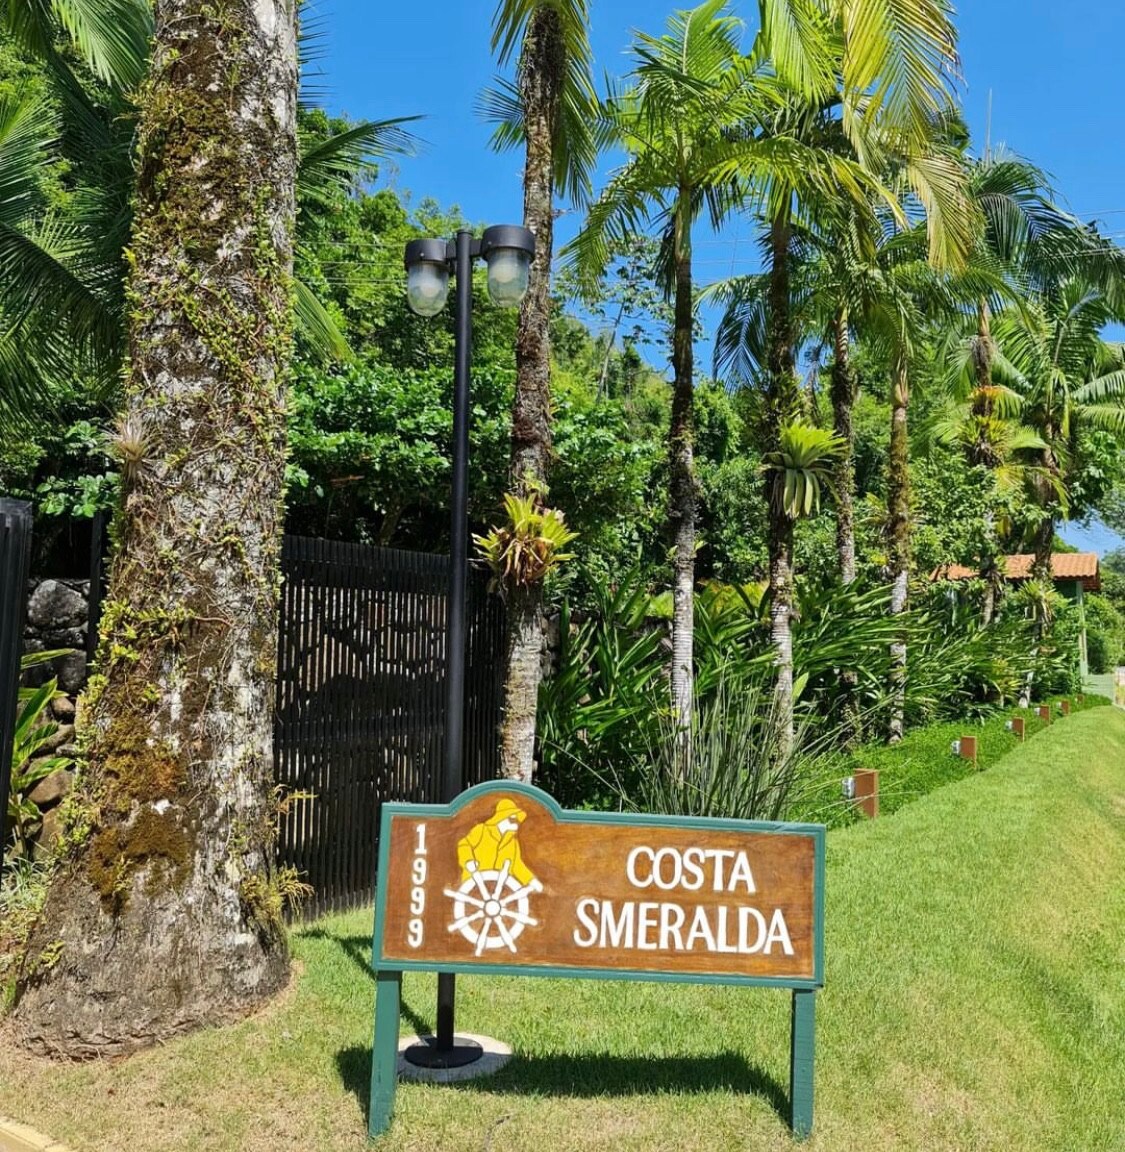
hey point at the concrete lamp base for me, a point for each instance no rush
(489, 1057)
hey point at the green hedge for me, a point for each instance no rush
(921, 762)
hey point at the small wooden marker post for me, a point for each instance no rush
(1064, 706)
(1044, 711)
(867, 791)
(969, 749)
(1019, 727)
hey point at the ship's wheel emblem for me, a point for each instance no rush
(491, 907)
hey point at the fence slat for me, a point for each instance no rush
(15, 560)
(360, 713)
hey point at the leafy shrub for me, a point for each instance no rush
(33, 732)
(739, 767)
(607, 689)
(1105, 634)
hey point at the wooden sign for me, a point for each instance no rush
(504, 881)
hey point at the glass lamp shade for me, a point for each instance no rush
(508, 272)
(427, 286)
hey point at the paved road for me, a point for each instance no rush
(1101, 685)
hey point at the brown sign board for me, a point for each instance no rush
(503, 880)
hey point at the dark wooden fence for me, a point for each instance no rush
(15, 558)
(361, 701)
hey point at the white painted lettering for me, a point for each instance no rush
(667, 883)
(617, 933)
(779, 934)
(723, 943)
(693, 868)
(741, 874)
(631, 867)
(646, 923)
(671, 921)
(719, 855)
(745, 915)
(586, 909)
(700, 930)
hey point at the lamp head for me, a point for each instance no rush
(507, 249)
(427, 276)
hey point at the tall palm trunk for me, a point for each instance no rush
(780, 402)
(167, 914)
(1045, 533)
(843, 399)
(983, 407)
(681, 463)
(541, 76)
(898, 533)
(1043, 545)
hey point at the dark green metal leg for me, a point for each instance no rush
(802, 1050)
(384, 1052)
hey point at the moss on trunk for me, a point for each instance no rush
(147, 923)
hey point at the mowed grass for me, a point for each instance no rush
(975, 999)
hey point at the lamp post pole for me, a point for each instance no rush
(454, 779)
(508, 250)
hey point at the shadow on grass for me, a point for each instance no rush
(359, 949)
(591, 1074)
(596, 1074)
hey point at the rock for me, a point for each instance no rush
(51, 789)
(63, 708)
(63, 735)
(51, 831)
(64, 638)
(71, 671)
(70, 751)
(53, 606)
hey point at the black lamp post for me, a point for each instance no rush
(507, 249)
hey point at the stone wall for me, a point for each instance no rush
(58, 616)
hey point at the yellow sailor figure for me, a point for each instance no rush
(491, 846)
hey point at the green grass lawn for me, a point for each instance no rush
(921, 762)
(975, 999)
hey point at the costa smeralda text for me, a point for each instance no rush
(679, 925)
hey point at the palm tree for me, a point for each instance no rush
(1024, 236)
(867, 82)
(169, 907)
(700, 128)
(1069, 379)
(550, 108)
(63, 272)
(674, 122)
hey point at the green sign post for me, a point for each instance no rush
(502, 881)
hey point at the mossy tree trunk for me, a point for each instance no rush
(683, 501)
(781, 402)
(165, 914)
(542, 74)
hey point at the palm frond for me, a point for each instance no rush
(111, 36)
(336, 159)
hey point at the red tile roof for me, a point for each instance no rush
(1064, 566)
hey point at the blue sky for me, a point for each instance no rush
(1054, 71)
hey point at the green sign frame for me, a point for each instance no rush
(388, 971)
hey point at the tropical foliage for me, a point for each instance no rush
(918, 373)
